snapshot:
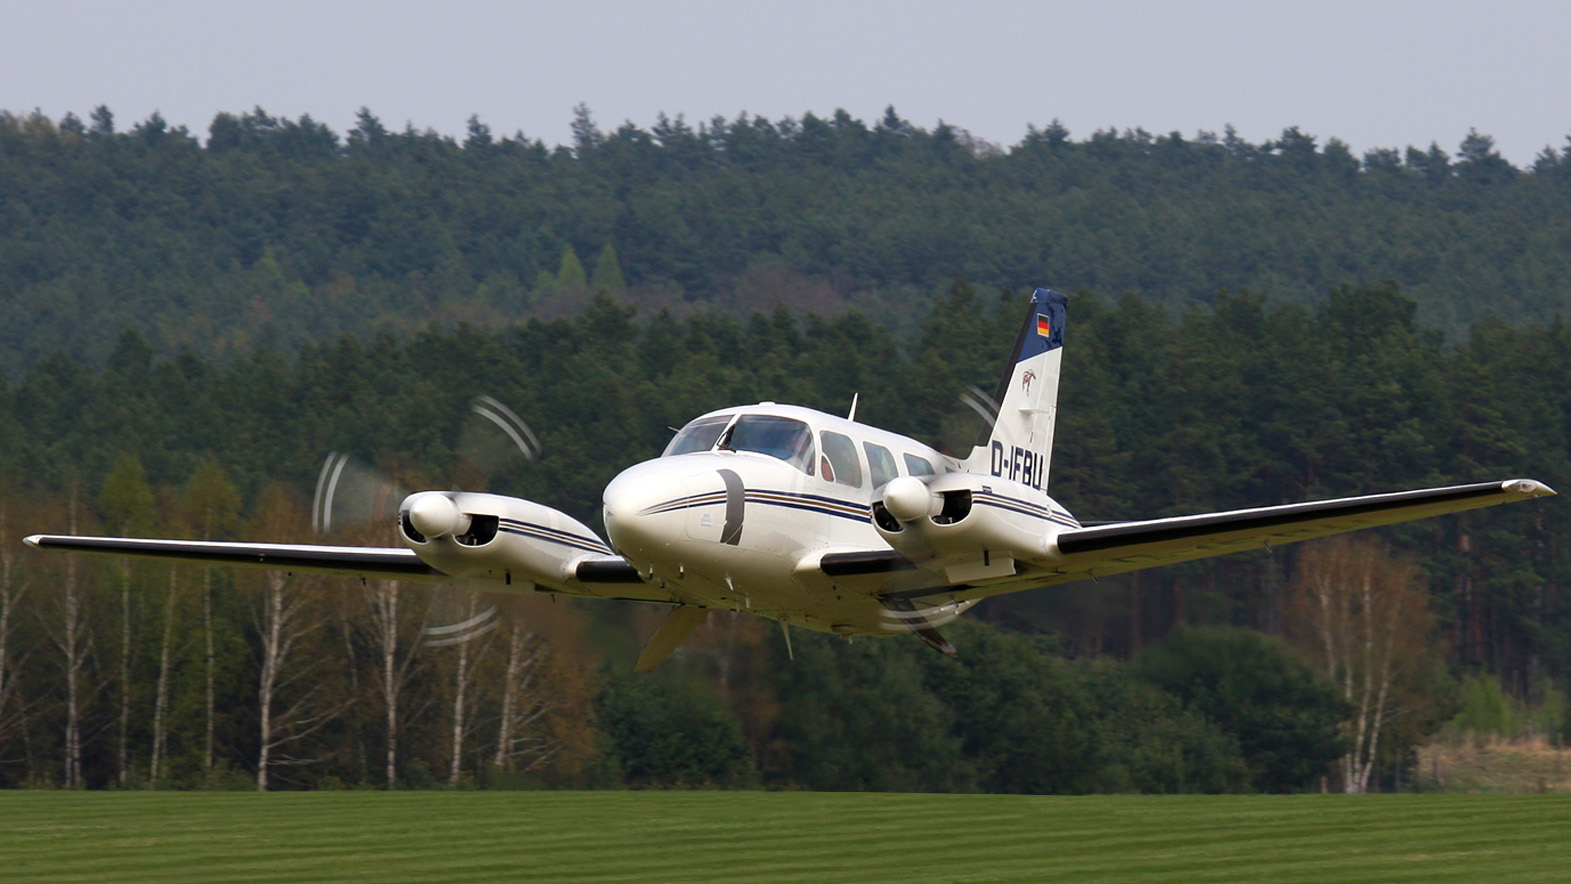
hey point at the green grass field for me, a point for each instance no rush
(763, 836)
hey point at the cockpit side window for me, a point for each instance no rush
(918, 466)
(880, 464)
(782, 437)
(840, 460)
(699, 435)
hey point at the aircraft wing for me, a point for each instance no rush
(1119, 547)
(598, 576)
(349, 561)
(1127, 546)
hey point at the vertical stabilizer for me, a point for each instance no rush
(1019, 444)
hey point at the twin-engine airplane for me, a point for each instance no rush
(819, 521)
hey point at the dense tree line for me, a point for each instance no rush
(280, 231)
(113, 673)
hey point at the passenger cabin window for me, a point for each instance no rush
(782, 437)
(840, 463)
(699, 435)
(918, 466)
(880, 464)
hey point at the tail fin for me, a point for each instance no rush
(1019, 444)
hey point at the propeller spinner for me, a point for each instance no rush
(434, 515)
(908, 498)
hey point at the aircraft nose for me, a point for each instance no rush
(642, 506)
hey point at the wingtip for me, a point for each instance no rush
(1528, 488)
(34, 540)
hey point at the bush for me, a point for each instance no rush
(1151, 744)
(1285, 716)
(659, 732)
(1486, 712)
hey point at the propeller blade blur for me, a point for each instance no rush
(350, 495)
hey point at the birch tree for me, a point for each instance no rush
(388, 627)
(545, 696)
(211, 506)
(1363, 616)
(470, 642)
(161, 692)
(72, 636)
(525, 703)
(284, 622)
(12, 589)
(129, 510)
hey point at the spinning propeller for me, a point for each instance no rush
(981, 402)
(350, 495)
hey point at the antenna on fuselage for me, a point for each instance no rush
(785, 630)
(852, 415)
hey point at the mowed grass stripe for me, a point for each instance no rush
(764, 837)
(641, 858)
(1383, 843)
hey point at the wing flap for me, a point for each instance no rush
(352, 561)
(606, 569)
(858, 562)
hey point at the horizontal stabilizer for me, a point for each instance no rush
(683, 620)
(919, 624)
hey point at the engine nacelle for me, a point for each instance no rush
(974, 527)
(495, 538)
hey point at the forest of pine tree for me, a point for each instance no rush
(282, 231)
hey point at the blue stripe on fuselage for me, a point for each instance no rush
(851, 509)
(829, 506)
(552, 535)
(1025, 508)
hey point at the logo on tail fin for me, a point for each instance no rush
(1027, 379)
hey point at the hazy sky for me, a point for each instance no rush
(1375, 74)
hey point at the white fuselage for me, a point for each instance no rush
(723, 526)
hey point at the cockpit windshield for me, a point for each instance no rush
(700, 435)
(782, 437)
